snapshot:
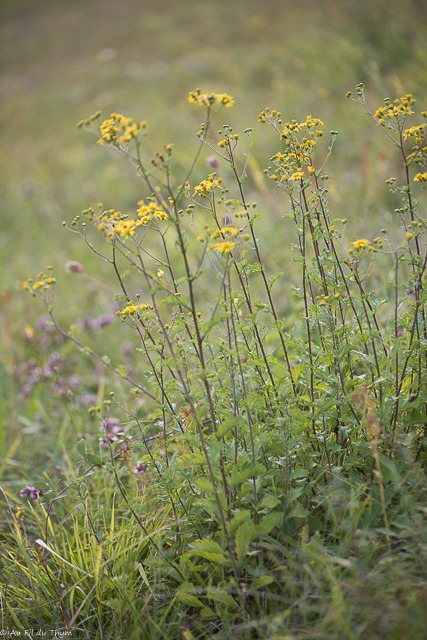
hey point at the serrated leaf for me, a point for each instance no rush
(268, 522)
(204, 484)
(238, 519)
(272, 279)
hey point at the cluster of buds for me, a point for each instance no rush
(210, 99)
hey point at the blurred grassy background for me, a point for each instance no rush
(61, 61)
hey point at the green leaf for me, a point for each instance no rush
(221, 596)
(209, 550)
(81, 447)
(238, 519)
(262, 581)
(229, 424)
(248, 470)
(299, 512)
(93, 459)
(272, 279)
(204, 484)
(189, 599)
(298, 474)
(269, 502)
(243, 539)
(268, 522)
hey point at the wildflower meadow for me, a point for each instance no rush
(231, 374)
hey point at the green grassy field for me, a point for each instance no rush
(342, 565)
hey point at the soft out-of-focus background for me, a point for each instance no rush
(61, 61)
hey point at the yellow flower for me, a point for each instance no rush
(362, 243)
(421, 177)
(297, 175)
(409, 235)
(222, 247)
(126, 227)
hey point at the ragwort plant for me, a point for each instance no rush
(280, 455)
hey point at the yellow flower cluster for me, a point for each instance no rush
(227, 244)
(115, 223)
(399, 107)
(150, 211)
(225, 231)
(131, 309)
(360, 244)
(300, 139)
(43, 282)
(421, 177)
(363, 243)
(416, 131)
(119, 129)
(309, 123)
(323, 300)
(209, 99)
(207, 186)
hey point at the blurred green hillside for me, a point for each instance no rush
(61, 61)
